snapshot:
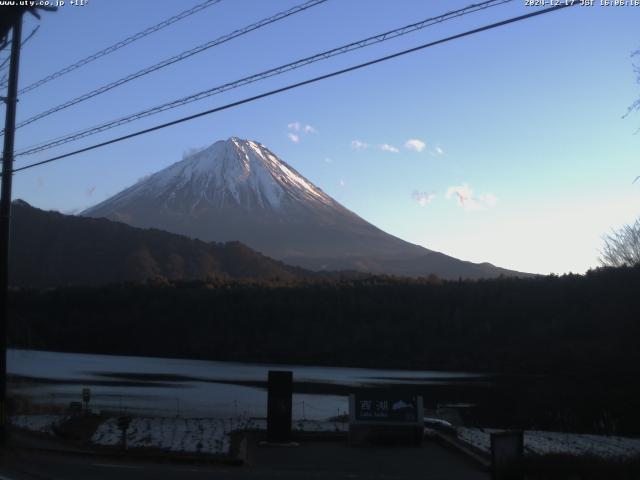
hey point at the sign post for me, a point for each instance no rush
(385, 417)
(86, 396)
(507, 453)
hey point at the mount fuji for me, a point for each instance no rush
(239, 190)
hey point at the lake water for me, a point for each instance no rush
(196, 388)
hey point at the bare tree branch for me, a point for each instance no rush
(635, 106)
(622, 247)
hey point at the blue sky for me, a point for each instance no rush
(507, 146)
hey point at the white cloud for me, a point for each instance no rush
(342, 183)
(465, 198)
(423, 198)
(389, 148)
(415, 144)
(358, 145)
(328, 160)
(438, 151)
(299, 129)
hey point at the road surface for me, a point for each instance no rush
(321, 460)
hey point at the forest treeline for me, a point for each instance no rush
(572, 324)
(51, 249)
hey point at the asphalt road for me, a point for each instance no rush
(326, 460)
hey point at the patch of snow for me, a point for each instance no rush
(193, 435)
(189, 435)
(538, 442)
(36, 423)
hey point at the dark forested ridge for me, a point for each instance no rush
(51, 249)
(568, 324)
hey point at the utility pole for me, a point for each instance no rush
(5, 212)
(10, 19)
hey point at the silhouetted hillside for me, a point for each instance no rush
(52, 249)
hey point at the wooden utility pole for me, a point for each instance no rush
(10, 19)
(5, 211)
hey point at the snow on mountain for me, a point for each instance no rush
(239, 190)
(239, 172)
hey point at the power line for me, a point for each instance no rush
(177, 58)
(261, 76)
(121, 44)
(5, 62)
(300, 84)
(4, 65)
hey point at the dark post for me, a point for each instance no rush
(279, 406)
(5, 213)
(123, 423)
(86, 396)
(507, 455)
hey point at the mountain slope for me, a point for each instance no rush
(239, 190)
(52, 249)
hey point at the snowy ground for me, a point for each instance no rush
(544, 443)
(175, 434)
(193, 435)
(212, 435)
(36, 423)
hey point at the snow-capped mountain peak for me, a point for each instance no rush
(233, 172)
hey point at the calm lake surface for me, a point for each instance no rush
(197, 388)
